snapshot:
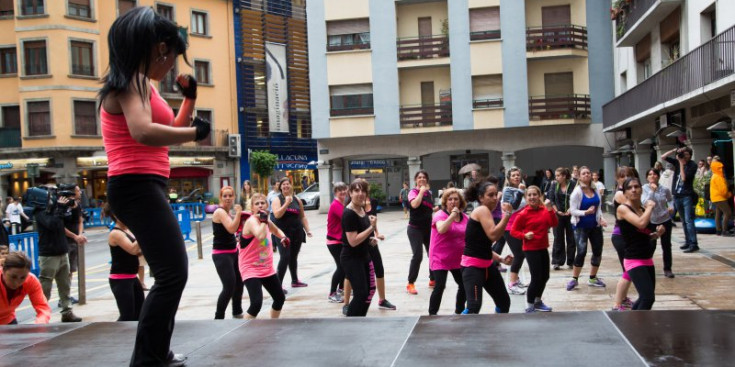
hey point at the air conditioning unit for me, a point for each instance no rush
(233, 146)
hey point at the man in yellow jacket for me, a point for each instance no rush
(720, 195)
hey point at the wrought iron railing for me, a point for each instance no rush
(416, 48)
(563, 36)
(426, 115)
(487, 103)
(573, 106)
(704, 65)
(485, 35)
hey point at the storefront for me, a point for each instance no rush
(300, 168)
(387, 174)
(14, 175)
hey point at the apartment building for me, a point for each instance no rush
(398, 86)
(674, 80)
(52, 56)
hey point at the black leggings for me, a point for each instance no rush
(666, 245)
(441, 282)
(129, 298)
(516, 247)
(475, 279)
(360, 273)
(289, 259)
(229, 275)
(499, 245)
(141, 202)
(594, 235)
(338, 277)
(538, 264)
(644, 280)
(255, 292)
(563, 231)
(619, 244)
(417, 237)
(377, 261)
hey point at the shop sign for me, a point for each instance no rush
(24, 163)
(375, 163)
(295, 161)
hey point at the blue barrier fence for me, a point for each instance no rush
(28, 243)
(184, 223)
(195, 210)
(96, 219)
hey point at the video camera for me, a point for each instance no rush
(46, 197)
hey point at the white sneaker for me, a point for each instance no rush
(515, 289)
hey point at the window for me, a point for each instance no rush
(348, 34)
(262, 129)
(35, 57)
(39, 118)
(351, 99)
(8, 60)
(303, 128)
(207, 115)
(124, 5)
(80, 8)
(6, 8)
(485, 23)
(168, 83)
(201, 72)
(165, 11)
(198, 23)
(82, 62)
(643, 58)
(11, 117)
(31, 7)
(558, 84)
(487, 91)
(85, 118)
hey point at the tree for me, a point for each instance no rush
(263, 163)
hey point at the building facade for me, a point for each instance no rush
(398, 86)
(674, 80)
(273, 87)
(53, 55)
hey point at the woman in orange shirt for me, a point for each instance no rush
(16, 281)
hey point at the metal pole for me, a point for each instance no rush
(81, 275)
(199, 240)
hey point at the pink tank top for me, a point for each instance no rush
(127, 156)
(256, 259)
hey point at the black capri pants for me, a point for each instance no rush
(475, 279)
(255, 291)
(129, 298)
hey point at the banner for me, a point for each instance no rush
(277, 83)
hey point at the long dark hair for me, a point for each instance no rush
(131, 39)
(478, 189)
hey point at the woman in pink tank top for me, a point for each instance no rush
(137, 127)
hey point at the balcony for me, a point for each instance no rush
(426, 115)
(693, 72)
(10, 137)
(634, 19)
(487, 103)
(570, 39)
(574, 106)
(422, 48)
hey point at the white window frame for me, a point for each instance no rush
(91, 12)
(20, 10)
(206, 20)
(26, 119)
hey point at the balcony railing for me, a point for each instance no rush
(631, 12)
(10, 137)
(423, 47)
(485, 35)
(426, 115)
(574, 106)
(706, 64)
(564, 36)
(487, 103)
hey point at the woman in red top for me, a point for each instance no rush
(16, 281)
(137, 128)
(532, 225)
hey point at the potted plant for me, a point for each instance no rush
(212, 205)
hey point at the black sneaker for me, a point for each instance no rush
(386, 305)
(684, 247)
(69, 316)
(691, 249)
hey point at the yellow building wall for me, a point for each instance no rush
(486, 57)
(340, 127)
(489, 119)
(577, 9)
(339, 9)
(482, 3)
(408, 17)
(410, 83)
(353, 67)
(537, 69)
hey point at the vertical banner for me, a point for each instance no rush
(277, 83)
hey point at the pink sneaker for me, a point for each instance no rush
(298, 284)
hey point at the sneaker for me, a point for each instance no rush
(557, 267)
(298, 284)
(411, 289)
(386, 305)
(572, 284)
(239, 316)
(691, 249)
(176, 360)
(285, 292)
(73, 300)
(619, 308)
(515, 289)
(684, 247)
(344, 309)
(69, 316)
(340, 291)
(432, 283)
(570, 267)
(466, 311)
(335, 298)
(669, 274)
(521, 284)
(627, 303)
(540, 306)
(531, 310)
(596, 282)
(502, 269)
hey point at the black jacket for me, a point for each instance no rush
(51, 235)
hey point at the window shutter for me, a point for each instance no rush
(351, 26)
(669, 28)
(79, 2)
(487, 87)
(558, 84)
(6, 5)
(555, 15)
(485, 19)
(643, 49)
(346, 90)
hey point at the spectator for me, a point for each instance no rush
(720, 195)
(74, 231)
(13, 213)
(684, 195)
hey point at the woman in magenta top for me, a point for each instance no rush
(137, 126)
(256, 259)
(334, 239)
(447, 243)
(532, 225)
(224, 254)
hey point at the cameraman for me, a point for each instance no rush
(74, 230)
(53, 253)
(684, 196)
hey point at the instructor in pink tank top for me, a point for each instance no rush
(137, 128)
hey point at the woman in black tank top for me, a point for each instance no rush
(288, 212)
(621, 300)
(224, 254)
(126, 288)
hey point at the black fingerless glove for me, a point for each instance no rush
(190, 91)
(203, 128)
(263, 216)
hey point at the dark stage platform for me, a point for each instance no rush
(660, 338)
